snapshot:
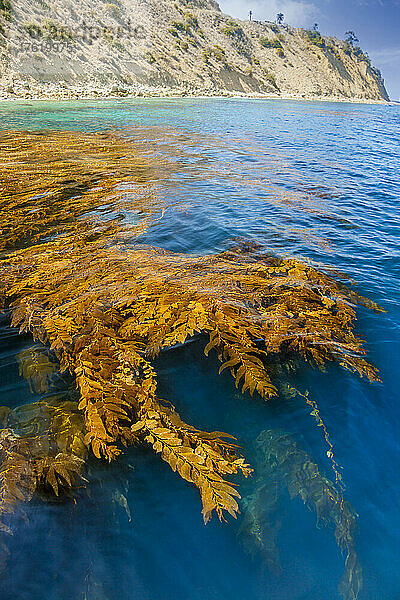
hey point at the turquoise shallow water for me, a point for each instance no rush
(312, 180)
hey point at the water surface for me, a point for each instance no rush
(318, 181)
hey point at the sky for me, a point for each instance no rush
(375, 22)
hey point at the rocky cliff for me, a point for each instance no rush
(92, 47)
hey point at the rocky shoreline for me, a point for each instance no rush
(53, 92)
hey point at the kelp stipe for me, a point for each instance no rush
(315, 413)
(282, 464)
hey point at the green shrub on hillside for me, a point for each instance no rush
(361, 55)
(191, 23)
(5, 9)
(232, 29)
(207, 54)
(178, 8)
(267, 43)
(357, 52)
(57, 32)
(270, 77)
(192, 20)
(178, 25)
(215, 52)
(33, 30)
(150, 57)
(314, 37)
(119, 46)
(219, 53)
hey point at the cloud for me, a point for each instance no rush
(296, 13)
(383, 3)
(386, 56)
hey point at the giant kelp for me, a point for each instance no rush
(281, 464)
(106, 306)
(42, 452)
(48, 182)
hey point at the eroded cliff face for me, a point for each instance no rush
(182, 46)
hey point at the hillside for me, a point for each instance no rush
(64, 48)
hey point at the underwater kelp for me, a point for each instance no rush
(38, 367)
(42, 451)
(282, 464)
(104, 306)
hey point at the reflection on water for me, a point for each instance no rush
(210, 176)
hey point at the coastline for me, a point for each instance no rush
(55, 93)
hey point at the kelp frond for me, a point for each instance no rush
(282, 464)
(37, 367)
(41, 451)
(106, 306)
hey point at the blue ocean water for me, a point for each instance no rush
(318, 181)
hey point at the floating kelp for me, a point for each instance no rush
(106, 306)
(282, 464)
(49, 181)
